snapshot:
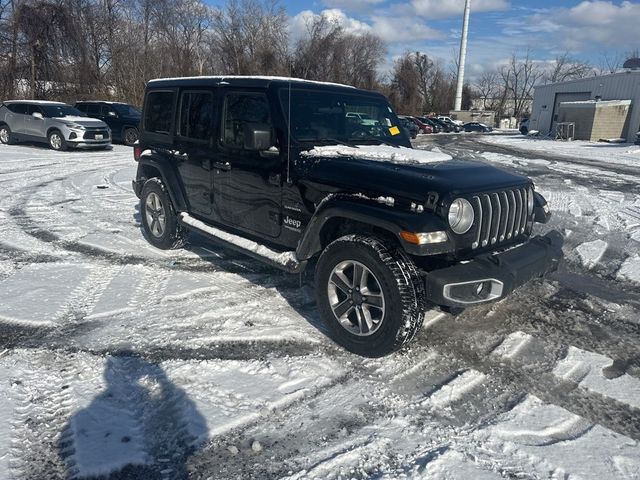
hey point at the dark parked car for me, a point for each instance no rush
(273, 168)
(451, 126)
(477, 127)
(122, 118)
(411, 128)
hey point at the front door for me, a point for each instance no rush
(34, 126)
(248, 183)
(194, 155)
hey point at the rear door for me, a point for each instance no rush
(247, 183)
(18, 115)
(195, 139)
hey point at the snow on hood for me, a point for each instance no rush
(380, 153)
(84, 121)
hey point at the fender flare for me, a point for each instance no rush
(168, 176)
(367, 211)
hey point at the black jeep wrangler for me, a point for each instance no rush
(295, 172)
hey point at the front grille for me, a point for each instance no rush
(501, 216)
(90, 134)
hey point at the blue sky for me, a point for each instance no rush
(587, 29)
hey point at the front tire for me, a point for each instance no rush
(57, 141)
(6, 137)
(369, 294)
(159, 221)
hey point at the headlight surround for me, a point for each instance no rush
(460, 216)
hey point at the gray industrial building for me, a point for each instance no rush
(602, 107)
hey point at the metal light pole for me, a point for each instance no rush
(463, 55)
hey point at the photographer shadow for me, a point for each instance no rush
(141, 426)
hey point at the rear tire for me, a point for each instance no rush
(159, 220)
(57, 141)
(129, 136)
(375, 316)
(6, 136)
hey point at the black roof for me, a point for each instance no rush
(262, 82)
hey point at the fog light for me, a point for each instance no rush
(474, 292)
(73, 136)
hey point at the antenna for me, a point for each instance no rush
(289, 129)
(463, 55)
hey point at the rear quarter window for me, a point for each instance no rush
(158, 112)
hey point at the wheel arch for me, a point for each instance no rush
(150, 167)
(345, 214)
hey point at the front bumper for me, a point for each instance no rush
(492, 277)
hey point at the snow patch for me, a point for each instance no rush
(281, 258)
(456, 389)
(630, 269)
(585, 368)
(380, 153)
(591, 252)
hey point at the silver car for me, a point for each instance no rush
(58, 124)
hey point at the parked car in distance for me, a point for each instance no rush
(362, 118)
(57, 124)
(453, 127)
(524, 126)
(437, 128)
(446, 127)
(411, 128)
(477, 127)
(122, 118)
(268, 167)
(423, 127)
(451, 120)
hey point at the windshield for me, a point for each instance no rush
(57, 111)
(329, 117)
(125, 110)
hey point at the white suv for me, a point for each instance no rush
(58, 124)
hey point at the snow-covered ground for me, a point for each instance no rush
(615, 153)
(123, 361)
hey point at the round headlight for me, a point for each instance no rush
(530, 201)
(460, 216)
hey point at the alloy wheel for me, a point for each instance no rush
(356, 298)
(56, 141)
(156, 215)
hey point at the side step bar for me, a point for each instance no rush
(287, 261)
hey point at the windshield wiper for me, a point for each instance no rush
(382, 140)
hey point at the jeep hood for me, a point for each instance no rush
(84, 121)
(401, 172)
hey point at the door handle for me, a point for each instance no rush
(226, 166)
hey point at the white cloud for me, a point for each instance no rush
(352, 5)
(591, 25)
(403, 29)
(298, 25)
(453, 8)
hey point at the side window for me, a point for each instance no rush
(20, 108)
(82, 107)
(242, 109)
(93, 109)
(196, 115)
(106, 109)
(158, 112)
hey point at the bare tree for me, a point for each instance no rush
(520, 76)
(566, 68)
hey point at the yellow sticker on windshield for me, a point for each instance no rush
(394, 131)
